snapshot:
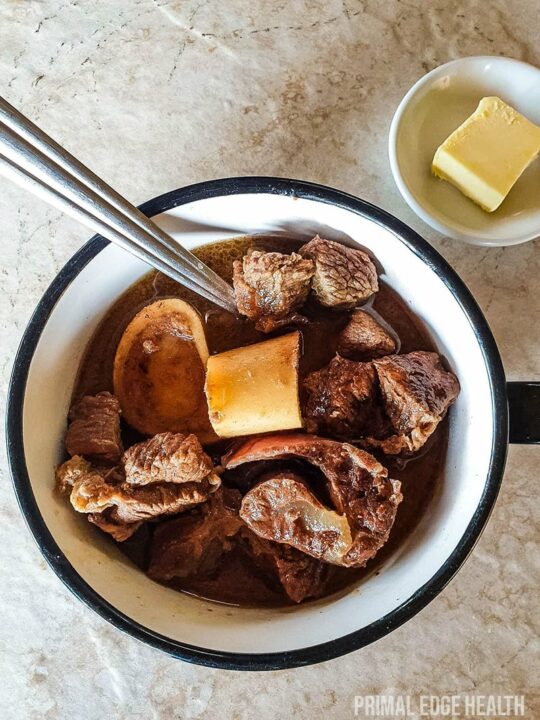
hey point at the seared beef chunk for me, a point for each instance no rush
(71, 474)
(283, 509)
(110, 524)
(344, 277)
(417, 392)
(358, 485)
(163, 476)
(168, 457)
(96, 490)
(270, 287)
(364, 338)
(70, 471)
(76, 467)
(341, 400)
(193, 544)
(92, 494)
(94, 430)
(300, 575)
(394, 403)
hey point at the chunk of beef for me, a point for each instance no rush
(168, 458)
(283, 509)
(74, 471)
(69, 472)
(271, 286)
(342, 400)
(193, 544)
(108, 523)
(344, 277)
(363, 338)
(300, 575)
(358, 485)
(92, 494)
(74, 468)
(394, 403)
(94, 429)
(95, 490)
(417, 392)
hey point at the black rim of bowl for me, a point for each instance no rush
(315, 653)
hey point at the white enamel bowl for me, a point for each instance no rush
(433, 108)
(192, 629)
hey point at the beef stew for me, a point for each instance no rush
(197, 511)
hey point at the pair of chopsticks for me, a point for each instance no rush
(37, 163)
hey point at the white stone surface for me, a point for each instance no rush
(155, 95)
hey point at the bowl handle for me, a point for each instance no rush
(524, 407)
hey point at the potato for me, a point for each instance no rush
(254, 389)
(159, 371)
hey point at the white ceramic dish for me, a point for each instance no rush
(44, 375)
(435, 106)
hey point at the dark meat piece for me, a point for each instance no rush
(69, 472)
(73, 471)
(94, 430)
(93, 494)
(170, 458)
(344, 277)
(283, 509)
(342, 400)
(106, 521)
(417, 392)
(270, 287)
(364, 338)
(359, 486)
(300, 575)
(95, 490)
(394, 403)
(193, 544)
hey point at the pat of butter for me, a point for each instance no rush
(487, 153)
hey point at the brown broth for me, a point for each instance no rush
(238, 581)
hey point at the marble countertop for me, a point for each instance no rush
(156, 95)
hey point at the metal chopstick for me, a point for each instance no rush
(42, 162)
(33, 164)
(36, 187)
(23, 127)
